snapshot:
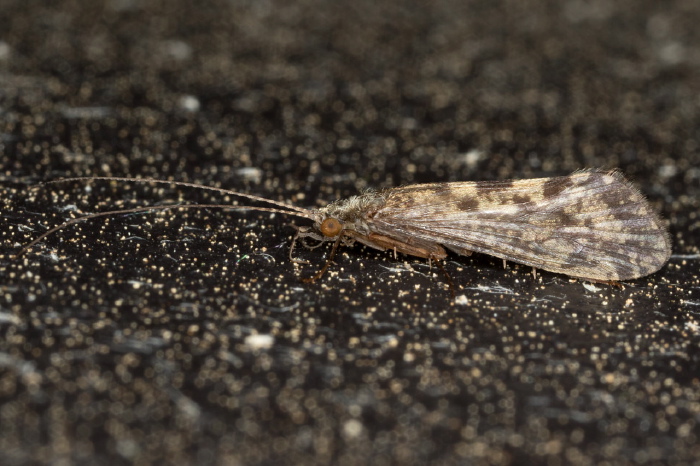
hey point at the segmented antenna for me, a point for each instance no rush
(292, 209)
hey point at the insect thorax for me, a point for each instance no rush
(354, 212)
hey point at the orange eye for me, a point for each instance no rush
(331, 227)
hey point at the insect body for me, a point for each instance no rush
(592, 224)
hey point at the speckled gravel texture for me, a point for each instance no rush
(188, 337)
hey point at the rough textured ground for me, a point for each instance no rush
(188, 338)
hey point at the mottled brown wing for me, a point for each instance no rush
(592, 224)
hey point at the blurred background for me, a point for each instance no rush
(188, 338)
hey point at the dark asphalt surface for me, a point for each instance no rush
(188, 337)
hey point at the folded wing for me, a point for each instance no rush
(591, 224)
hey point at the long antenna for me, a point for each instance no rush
(175, 183)
(301, 213)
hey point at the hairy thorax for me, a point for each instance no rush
(353, 212)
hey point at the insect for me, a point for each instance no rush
(593, 224)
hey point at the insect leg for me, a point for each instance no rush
(450, 283)
(301, 235)
(320, 273)
(427, 250)
(291, 248)
(424, 249)
(614, 283)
